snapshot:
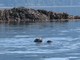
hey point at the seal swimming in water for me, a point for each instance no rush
(38, 40)
(49, 41)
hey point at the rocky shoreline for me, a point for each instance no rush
(25, 15)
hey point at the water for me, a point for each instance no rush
(16, 41)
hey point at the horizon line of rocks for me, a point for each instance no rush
(22, 14)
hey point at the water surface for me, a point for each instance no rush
(16, 41)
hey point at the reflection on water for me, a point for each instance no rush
(17, 41)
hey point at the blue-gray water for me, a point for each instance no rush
(16, 41)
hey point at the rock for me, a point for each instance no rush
(76, 17)
(22, 14)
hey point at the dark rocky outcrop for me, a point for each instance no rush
(77, 17)
(24, 15)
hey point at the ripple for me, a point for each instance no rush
(23, 52)
(73, 46)
(30, 51)
(65, 31)
(23, 36)
(56, 59)
(61, 38)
